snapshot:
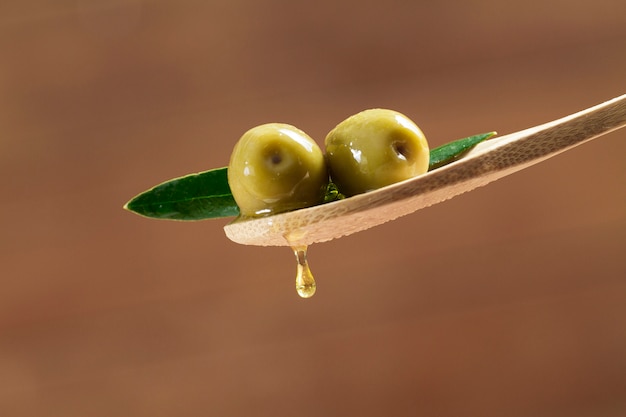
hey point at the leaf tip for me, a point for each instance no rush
(129, 206)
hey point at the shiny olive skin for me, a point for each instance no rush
(375, 148)
(275, 168)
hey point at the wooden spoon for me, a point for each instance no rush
(487, 162)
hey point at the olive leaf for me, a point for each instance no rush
(207, 195)
(332, 193)
(453, 151)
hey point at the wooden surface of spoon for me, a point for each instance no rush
(487, 162)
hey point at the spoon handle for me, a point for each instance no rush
(533, 145)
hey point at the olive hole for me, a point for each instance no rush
(276, 159)
(402, 150)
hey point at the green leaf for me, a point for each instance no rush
(206, 195)
(332, 193)
(453, 151)
(200, 196)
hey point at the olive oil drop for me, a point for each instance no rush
(305, 283)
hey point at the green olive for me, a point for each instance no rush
(375, 148)
(275, 168)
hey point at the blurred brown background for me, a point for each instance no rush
(508, 301)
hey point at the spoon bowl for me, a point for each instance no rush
(487, 162)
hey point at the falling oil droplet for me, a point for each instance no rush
(305, 283)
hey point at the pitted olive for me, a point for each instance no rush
(275, 168)
(375, 148)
